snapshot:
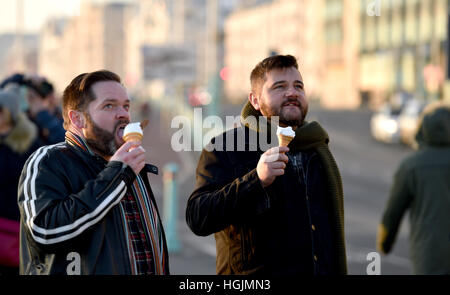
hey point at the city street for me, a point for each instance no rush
(366, 166)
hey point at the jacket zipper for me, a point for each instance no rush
(309, 212)
(305, 180)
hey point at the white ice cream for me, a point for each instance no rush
(286, 131)
(133, 128)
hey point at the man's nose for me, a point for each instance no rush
(292, 92)
(123, 113)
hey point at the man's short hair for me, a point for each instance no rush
(79, 94)
(258, 75)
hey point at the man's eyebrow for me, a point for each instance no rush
(113, 100)
(284, 81)
(278, 82)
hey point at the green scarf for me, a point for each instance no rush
(311, 135)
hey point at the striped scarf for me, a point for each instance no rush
(151, 226)
(139, 215)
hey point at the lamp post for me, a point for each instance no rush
(171, 207)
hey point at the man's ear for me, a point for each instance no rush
(77, 119)
(254, 100)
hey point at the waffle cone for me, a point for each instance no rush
(284, 140)
(133, 137)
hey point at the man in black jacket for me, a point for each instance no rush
(86, 204)
(275, 210)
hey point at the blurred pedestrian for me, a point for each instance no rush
(86, 204)
(278, 216)
(422, 187)
(18, 139)
(43, 106)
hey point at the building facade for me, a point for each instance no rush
(351, 53)
(403, 48)
(282, 27)
(340, 38)
(18, 54)
(93, 40)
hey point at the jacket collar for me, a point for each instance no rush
(308, 135)
(78, 142)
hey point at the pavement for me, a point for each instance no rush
(367, 168)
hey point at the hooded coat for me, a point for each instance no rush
(15, 148)
(422, 186)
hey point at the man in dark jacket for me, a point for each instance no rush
(275, 210)
(422, 186)
(86, 204)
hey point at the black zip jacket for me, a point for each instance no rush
(72, 220)
(285, 228)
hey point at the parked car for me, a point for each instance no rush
(384, 124)
(408, 120)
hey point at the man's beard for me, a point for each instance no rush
(284, 119)
(101, 140)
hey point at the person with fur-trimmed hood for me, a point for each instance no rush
(18, 139)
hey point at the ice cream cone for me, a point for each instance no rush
(284, 140)
(134, 136)
(285, 135)
(133, 132)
